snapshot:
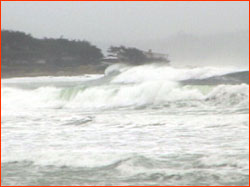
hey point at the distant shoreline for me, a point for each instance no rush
(7, 72)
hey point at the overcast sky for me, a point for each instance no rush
(113, 22)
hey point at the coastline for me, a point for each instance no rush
(14, 72)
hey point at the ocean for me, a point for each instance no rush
(144, 125)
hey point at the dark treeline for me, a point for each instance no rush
(20, 48)
(24, 55)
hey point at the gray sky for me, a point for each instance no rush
(124, 21)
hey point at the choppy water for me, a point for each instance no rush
(132, 126)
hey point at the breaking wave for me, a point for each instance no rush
(147, 85)
(108, 97)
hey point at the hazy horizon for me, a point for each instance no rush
(211, 31)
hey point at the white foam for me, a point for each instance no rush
(49, 79)
(230, 95)
(115, 96)
(154, 72)
(145, 85)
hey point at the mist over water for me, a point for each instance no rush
(188, 49)
(134, 125)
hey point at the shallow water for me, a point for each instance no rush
(132, 126)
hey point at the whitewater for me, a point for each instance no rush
(133, 125)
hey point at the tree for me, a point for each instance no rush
(129, 55)
(18, 47)
(134, 56)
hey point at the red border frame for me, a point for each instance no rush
(97, 0)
